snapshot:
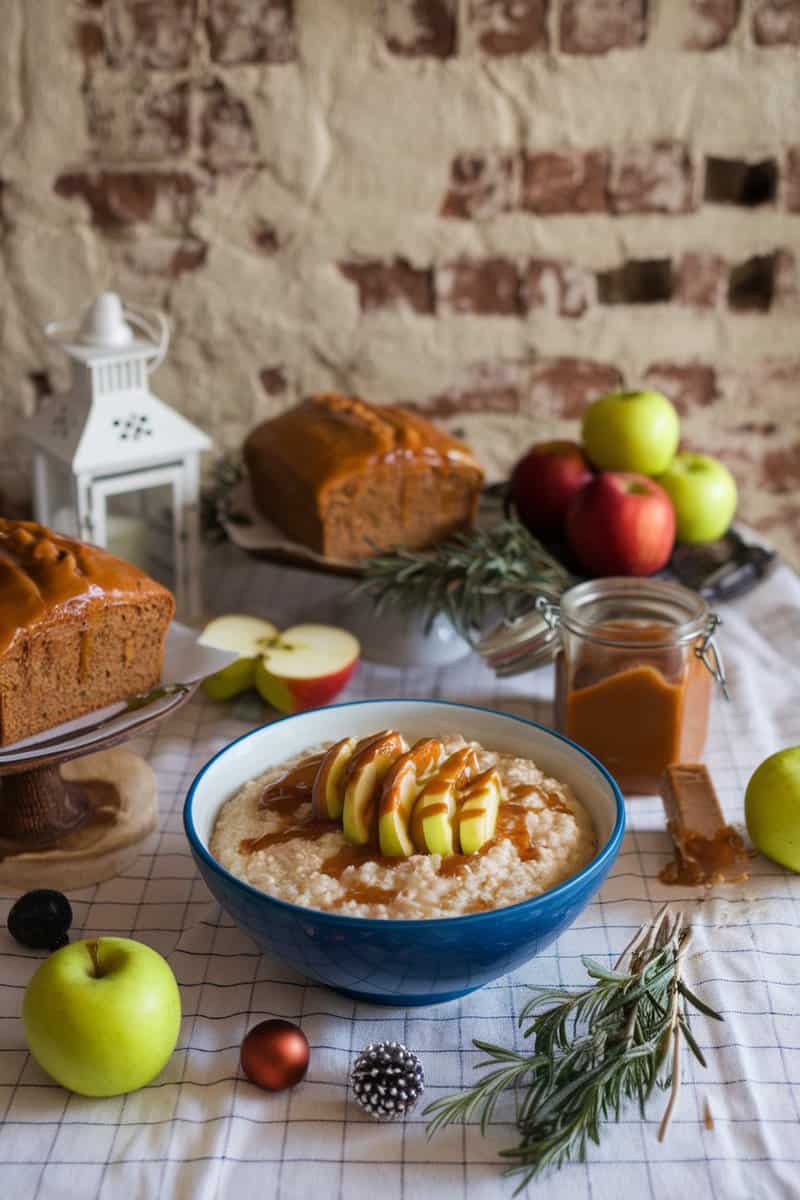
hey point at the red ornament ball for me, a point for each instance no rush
(275, 1055)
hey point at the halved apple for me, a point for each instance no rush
(247, 637)
(477, 813)
(434, 812)
(400, 789)
(305, 666)
(327, 793)
(364, 775)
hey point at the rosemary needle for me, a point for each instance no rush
(593, 1049)
(495, 571)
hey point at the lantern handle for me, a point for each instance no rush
(159, 333)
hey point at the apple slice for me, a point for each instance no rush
(400, 789)
(364, 775)
(434, 811)
(305, 666)
(327, 793)
(247, 637)
(477, 812)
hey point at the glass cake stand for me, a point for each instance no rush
(74, 806)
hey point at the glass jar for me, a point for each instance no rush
(635, 666)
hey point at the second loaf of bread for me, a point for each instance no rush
(349, 479)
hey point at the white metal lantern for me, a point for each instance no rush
(110, 435)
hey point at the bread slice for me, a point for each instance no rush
(79, 629)
(349, 479)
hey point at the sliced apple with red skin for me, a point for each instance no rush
(247, 637)
(363, 778)
(327, 793)
(400, 789)
(432, 820)
(477, 812)
(306, 666)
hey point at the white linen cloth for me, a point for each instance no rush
(201, 1130)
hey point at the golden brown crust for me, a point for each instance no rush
(348, 478)
(45, 576)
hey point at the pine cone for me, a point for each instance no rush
(387, 1080)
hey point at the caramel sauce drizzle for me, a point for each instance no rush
(292, 789)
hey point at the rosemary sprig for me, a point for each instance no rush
(499, 569)
(593, 1049)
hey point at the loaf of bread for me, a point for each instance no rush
(79, 629)
(350, 479)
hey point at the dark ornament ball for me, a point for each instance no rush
(387, 1080)
(275, 1055)
(41, 920)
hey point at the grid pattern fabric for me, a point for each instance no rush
(201, 1130)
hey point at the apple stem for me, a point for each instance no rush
(94, 952)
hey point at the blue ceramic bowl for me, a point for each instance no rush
(404, 962)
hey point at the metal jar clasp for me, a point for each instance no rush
(708, 652)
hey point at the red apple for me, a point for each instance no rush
(306, 666)
(543, 483)
(621, 524)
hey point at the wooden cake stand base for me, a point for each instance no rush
(73, 811)
(71, 826)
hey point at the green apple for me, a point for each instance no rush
(703, 494)
(364, 776)
(631, 431)
(772, 807)
(402, 785)
(434, 812)
(327, 792)
(477, 813)
(306, 666)
(247, 637)
(102, 1016)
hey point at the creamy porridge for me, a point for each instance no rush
(268, 836)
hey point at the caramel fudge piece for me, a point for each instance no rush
(707, 850)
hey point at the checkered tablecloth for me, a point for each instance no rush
(201, 1130)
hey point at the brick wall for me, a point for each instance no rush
(492, 210)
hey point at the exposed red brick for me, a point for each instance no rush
(89, 39)
(688, 385)
(146, 125)
(150, 33)
(265, 237)
(780, 470)
(558, 287)
(638, 281)
(226, 128)
(777, 23)
(390, 285)
(118, 199)
(165, 256)
(791, 179)
(710, 23)
(658, 178)
(488, 286)
(251, 31)
(509, 26)
(700, 279)
(785, 278)
(564, 182)
(562, 387)
(597, 26)
(273, 380)
(420, 28)
(485, 387)
(481, 185)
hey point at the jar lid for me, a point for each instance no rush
(521, 644)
